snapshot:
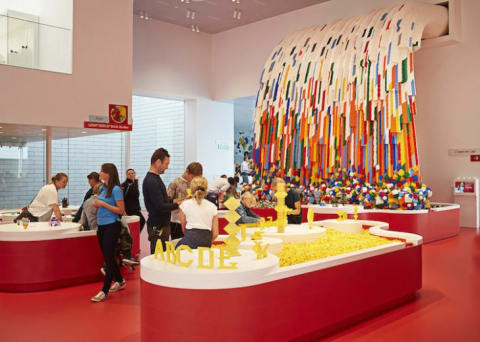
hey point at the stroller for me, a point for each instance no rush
(123, 250)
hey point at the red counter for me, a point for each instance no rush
(301, 307)
(434, 224)
(49, 264)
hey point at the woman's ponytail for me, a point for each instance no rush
(199, 188)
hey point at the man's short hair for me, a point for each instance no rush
(159, 154)
(195, 169)
(94, 175)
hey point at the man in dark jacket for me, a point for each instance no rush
(131, 196)
(158, 205)
(93, 179)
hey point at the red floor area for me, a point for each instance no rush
(447, 308)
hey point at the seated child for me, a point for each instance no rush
(89, 212)
(246, 214)
(198, 217)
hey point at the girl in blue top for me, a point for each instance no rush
(110, 206)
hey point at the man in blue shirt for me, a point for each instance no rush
(158, 205)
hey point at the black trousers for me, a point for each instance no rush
(195, 238)
(138, 213)
(107, 238)
(156, 232)
(176, 230)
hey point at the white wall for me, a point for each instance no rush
(169, 60)
(102, 72)
(448, 80)
(208, 123)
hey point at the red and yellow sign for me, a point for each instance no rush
(117, 119)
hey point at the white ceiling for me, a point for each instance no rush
(213, 16)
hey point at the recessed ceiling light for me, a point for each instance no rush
(44, 129)
(83, 132)
(1, 127)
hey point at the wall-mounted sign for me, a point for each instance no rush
(98, 118)
(117, 119)
(464, 187)
(475, 157)
(463, 151)
(224, 145)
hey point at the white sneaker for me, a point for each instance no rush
(118, 286)
(100, 297)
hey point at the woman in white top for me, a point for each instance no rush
(198, 217)
(46, 200)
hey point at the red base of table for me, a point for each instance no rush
(432, 226)
(50, 264)
(134, 228)
(302, 307)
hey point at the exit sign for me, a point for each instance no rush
(475, 157)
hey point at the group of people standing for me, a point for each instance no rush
(181, 212)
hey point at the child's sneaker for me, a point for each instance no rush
(118, 286)
(99, 297)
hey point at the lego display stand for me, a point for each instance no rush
(466, 193)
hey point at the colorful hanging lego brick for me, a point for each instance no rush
(340, 96)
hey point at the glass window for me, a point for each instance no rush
(37, 34)
(78, 156)
(22, 168)
(157, 123)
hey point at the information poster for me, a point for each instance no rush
(464, 187)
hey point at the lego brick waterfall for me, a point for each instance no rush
(334, 98)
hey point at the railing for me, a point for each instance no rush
(29, 44)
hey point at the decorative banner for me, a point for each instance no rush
(340, 96)
(117, 119)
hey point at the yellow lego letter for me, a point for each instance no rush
(179, 256)
(159, 250)
(224, 254)
(201, 250)
(261, 252)
(170, 250)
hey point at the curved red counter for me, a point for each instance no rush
(36, 260)
(299, 302)
(433, 224)
(439, 222)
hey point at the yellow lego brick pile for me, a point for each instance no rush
(333, 243)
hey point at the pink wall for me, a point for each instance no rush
(102, 71)
(170, 60)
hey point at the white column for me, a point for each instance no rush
(48, 154)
